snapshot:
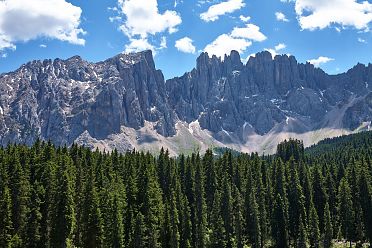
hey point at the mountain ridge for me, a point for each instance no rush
(124, 102)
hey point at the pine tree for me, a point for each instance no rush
(296, 201)
(174, 223)
(210, 180)
(139, 232)
(328, 228)
(227, 210)
(279, 224)
(64, 222)
(33, 226)
(93, 229)
(345, 210)
(200, 206)
(47, 207)
(185, 224)
(218, 233)
(320, 196)
(152, 206)
(19, 190)
(302, 234)
(117, 232)
(6, 228)
(253, 222)
(238, 218)
(366, 203)
(314, 233)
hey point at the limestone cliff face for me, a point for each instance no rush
(224, 95)
(60, 99)
(66, 100)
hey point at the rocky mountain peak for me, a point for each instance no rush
(125, 102)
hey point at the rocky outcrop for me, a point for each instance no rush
(74, 100)
(61, 99)
(225, 94)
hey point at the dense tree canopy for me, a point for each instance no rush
(74, 197)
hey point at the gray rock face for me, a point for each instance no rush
(61, 99)
(223, 95)
(73, 100)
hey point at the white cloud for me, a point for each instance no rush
(143, 18)
(138, 45)
(220, 9)
(185, 45)
(280, 46)
(274, 51)
(21, 21)
(362, 40)
(238, 39)
(224, 44)
(42, 45)
(319, 14)
(4, 55)
(163, 42)
(251, 32)
(244, 18)
(281, 17)
(321, 60)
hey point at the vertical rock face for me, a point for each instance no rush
(66, 100)
(224, 95)
(61, 99)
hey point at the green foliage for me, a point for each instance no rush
(74, 197)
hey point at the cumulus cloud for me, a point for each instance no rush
(137, 45)
(224, 44)
(280, 46)
(42, 45)
(317, 14)
(215, 11)
(274, 51)
(250, 31)
(185, 45)
(238, 39)
(281, 17)
(143, 18)
(321, 60)
(21, 21)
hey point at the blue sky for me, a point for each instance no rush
(332, 34)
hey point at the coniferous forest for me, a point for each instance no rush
(73, 197)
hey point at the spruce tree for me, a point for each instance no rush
(64, 221)
(345, 210)
(173, 223)
(279, 224)
(33, 229)
(218, 233)
(93, 229)
(302, 241)
(117, 227)
(314, 233)
(320, 195)
(139, 232)
(366, 203)
(6, 228)
(328, 228)
(238, 218)
(296, 201)
(200, 206)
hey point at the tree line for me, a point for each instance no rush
(74, 197)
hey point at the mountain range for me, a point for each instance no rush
(124, 102)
